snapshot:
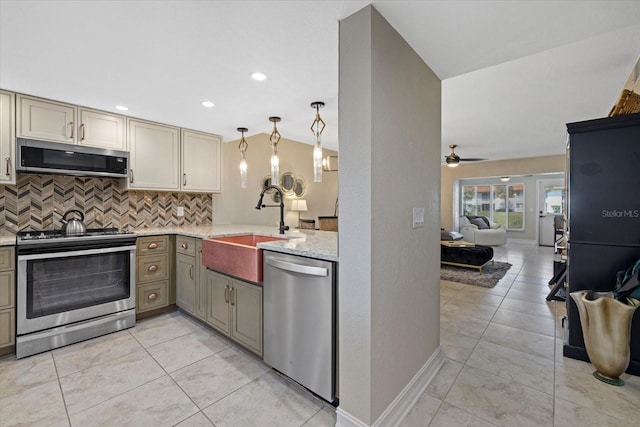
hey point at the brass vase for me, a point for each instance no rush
(606, 328)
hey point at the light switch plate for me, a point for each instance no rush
(418, 217)
(180, 211)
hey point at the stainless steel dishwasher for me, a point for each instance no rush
(300, 320)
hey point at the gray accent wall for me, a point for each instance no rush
(389, 163)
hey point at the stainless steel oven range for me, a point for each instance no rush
(72, 288)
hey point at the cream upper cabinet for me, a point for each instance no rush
(40, 119)
(98, 129)
(200, 161)
(154, 152)
(7, 138)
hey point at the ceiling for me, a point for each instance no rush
(514, 73)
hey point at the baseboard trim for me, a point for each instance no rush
(402, 404)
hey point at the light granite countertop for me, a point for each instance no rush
(309, 243)
(7, 239)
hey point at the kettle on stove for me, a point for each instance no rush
(73, 227)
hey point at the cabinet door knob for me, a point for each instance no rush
(184, 246)
(82, 133)
(8, 159)
(152, 267)
(71, 124)
(184, 179)
(152, 296)
(231, 298)
(131, 176)
(152, 246)
(226, 294)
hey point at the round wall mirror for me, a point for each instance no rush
(288, 183)
(299, 188)
(266, 181)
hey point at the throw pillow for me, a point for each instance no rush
(479, 222)
(484, 218)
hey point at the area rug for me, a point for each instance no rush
(491, 274)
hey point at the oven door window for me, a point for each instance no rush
(57, 285)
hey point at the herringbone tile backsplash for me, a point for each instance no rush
(38, 202)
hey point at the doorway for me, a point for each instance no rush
(550, 193)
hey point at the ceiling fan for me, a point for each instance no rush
(454, 160)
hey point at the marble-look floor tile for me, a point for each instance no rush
(449, 416)
(516, 293)
(442, 382)
(455, 346)
(481, 298)
(40, 405)
(267, 401)
(575, 383)
(532, 371)
(463, 324)
(500, 401)
(422, 411)
(325, 417)
(187, 349)
(533, 288)
(157, 403)
(18, 375)
(527, 307)
(163, 328)
(197, 420)
(518, 339)
(94, 385)
(527, 322)
(216, 376)
(86, 354)
(567, 414)
(460, 307)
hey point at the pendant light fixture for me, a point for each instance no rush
(243, 163)
(275, 161)
(317, 148)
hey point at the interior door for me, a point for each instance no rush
(549, 205)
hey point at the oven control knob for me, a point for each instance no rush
(42, 236)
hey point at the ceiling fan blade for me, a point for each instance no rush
(472, 159)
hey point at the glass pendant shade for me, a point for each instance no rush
(317, 161)
(317, 149)
(243, 163)
(243, 173)
(275, 161)
(275, 169)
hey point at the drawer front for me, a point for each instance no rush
(151, 296)
(7, 258)
(186, 245)
(152, 244)
(7, 286)
(152, 267)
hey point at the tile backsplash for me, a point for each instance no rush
(37, 202)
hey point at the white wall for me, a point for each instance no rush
(237, 205)
(389, 163)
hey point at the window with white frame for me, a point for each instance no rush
(501, 203)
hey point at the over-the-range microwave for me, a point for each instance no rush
(35, 156)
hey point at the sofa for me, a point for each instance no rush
(479, 230)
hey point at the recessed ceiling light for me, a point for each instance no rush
(258, 76)
(207, 104)
(122, 108)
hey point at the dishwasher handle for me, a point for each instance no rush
(297, 268)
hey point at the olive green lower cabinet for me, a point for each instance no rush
(234, 308)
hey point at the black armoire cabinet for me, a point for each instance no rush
(603, 216)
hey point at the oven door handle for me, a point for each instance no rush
(76, 253)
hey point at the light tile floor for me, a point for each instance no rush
(503, 366)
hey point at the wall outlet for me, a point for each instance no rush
(180, 211)
(418, 217)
